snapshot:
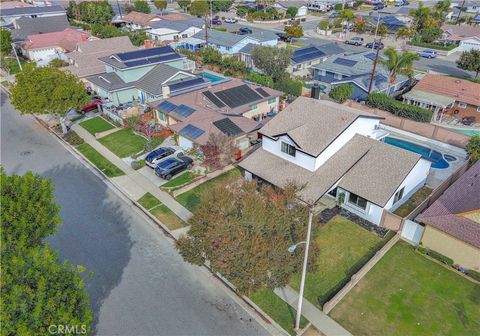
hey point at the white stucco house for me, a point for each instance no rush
(336, 151)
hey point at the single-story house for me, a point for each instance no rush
(356, 69)
(139, 21)
(303, 59)
(25, 26)
(9, 15)
(84, 60)
(467, 37)
(452, 222)
(173, 30)
(333, 151)
(42, 48)
(284, 5)
(446, 95)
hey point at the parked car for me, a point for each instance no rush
(375, 45)
(401, 3)
(245, 30)
(427, 53)
(92, 106)
(378, 6)
(153, 158)
(358, 41)
(172, 166)
(333, 15)
(216, 22)
(230, 20)
(283, 37)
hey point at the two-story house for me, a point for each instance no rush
(333, 150)
(303, 59)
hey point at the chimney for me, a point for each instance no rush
(165, 91)
(315, 91)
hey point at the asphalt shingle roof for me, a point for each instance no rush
(110, 81)
(31, 10)
(152, 81)
(26, 26)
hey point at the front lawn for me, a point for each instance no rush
(99, 160)
(277, 309)
(191, 199)
(408, 294)
(161, 212)
(406, 208)
(343, 246)
(96, 125)
(123, 143)
(180, 180)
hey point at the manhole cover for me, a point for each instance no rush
(25, 153)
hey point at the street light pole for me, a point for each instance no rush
(304, 271)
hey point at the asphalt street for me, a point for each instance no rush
(140, 285)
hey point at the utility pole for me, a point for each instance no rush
(119, 10)
(373, 70)
(16, 56)
(460, 12)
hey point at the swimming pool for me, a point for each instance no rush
(437, 158)
(465, 131)
(212, 77)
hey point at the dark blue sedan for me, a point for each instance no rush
(154, 157)
(172, 166)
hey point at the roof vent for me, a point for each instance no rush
(458, 81)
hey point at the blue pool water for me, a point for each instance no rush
(438, 161)
(212, 77)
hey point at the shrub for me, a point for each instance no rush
(290, 86)
(260, 79)
(338, 7)
(387, 103)
(137, 164)
(341, 93)
(440, 257)
(473, 148)
(73, 139)
(473, 274)
(150, 146)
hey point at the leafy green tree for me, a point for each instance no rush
(105, 31)
(441, 9)
(399, 64)
(242, 12)
(292, 87)
(295, 30)
(260, 79)
(72, 10)
(93, 12)
(211, 55)
(57, 63)
(48, 90)
(137, 37)
(420, 16)
(221, 5)
(360, 25)
(292, 12)
(473, 148)
(141, 6)
(184, 4)
(5, 42)
(405, 33)
(324, 25)
(271, 60)
(428, 35)
(341, 93)
(160, 4)
(347, 15)
(245, 235)
(470, 61)
(37, 289)
(199, 8)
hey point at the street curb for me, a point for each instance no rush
(260, 316)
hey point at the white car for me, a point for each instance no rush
(230, 20)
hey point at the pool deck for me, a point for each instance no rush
(436, 176)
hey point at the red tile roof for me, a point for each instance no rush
(461, 90)
(66, 39)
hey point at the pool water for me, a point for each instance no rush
(212, 77)
(438, 161)
(467, 132)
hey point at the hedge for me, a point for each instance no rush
(473, 274)
(390, 104)
(435, 255)
(433, 45)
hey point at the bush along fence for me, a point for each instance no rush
(390, 104)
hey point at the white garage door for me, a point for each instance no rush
(412, 231)
(185, 143)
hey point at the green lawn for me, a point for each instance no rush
(342, 244)
(99, 160)
(413, 202)
(191, 198)
(161, 212)
(277, 309)
(123, 143)
(179, 180)
(408, 294)
(96, 125)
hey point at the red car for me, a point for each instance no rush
(92, 105)
(216, 22)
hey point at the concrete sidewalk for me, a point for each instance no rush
(133, 183)
(319, 319)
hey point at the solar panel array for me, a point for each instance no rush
(371, 56)
(262, 92)
(184, 110)
(213, 99)
(143, 53)
(344, 61)
(303, 55)
(166, 106)
(238, 96)
(191, 131)
(227, 127)
(186, 83)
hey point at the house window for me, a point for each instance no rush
(271, 101)
(357, 201)
(162, 116)
(398, 195)
(253, 107)
(462, 105)
(337, 76)
(288, 149)
(184, 35)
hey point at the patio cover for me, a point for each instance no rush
(428, 98)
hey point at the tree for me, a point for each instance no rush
(341, 93)
(93, 12)
(405, 32)
(399, 64)
(473, 148)
(360, 25)
(57, 63)
(470, 61)
(5, 42)
(260, 79)
(441, 9)
(219, 151)
(292, 12)
(420, 16)
(264, 3)
(199, 8)
(271, 60)
(381, 31)
(211, 55)
(72, 10)
(221, 5)
(141, 6)
(160, 4)
(295, 30)
(48, 90)
(37, 289)
(184, 4)
(428, 35)
(324, 25)
(245, 235)
(292, 87)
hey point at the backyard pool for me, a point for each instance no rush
(439, 160)
(212, 77)
(465, 131)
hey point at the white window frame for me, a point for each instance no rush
(288, 149)
(462, 105)
(355, 205)
(398, 195)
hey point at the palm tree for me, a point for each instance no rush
(441, 9)
(420, 15)
(398, 64)
(405, 33)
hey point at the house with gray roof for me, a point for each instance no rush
(303, 59)
(9, 15)
(25, 26)
(173, 30)
(335, 151)
(356, 69)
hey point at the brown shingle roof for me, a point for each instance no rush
(461, 90)
(447, 213)
(139, 18)
(460, 32)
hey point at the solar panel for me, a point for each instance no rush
(186, 84)
(213, 99)
(371, 56)
(137, 62)
(262, 92)
(166, 106)
(227, 127)
(238, 96)
(163, 58)
(184, 110)
(304, 51)
(191, 131)
(344, 61)
(130, 55)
